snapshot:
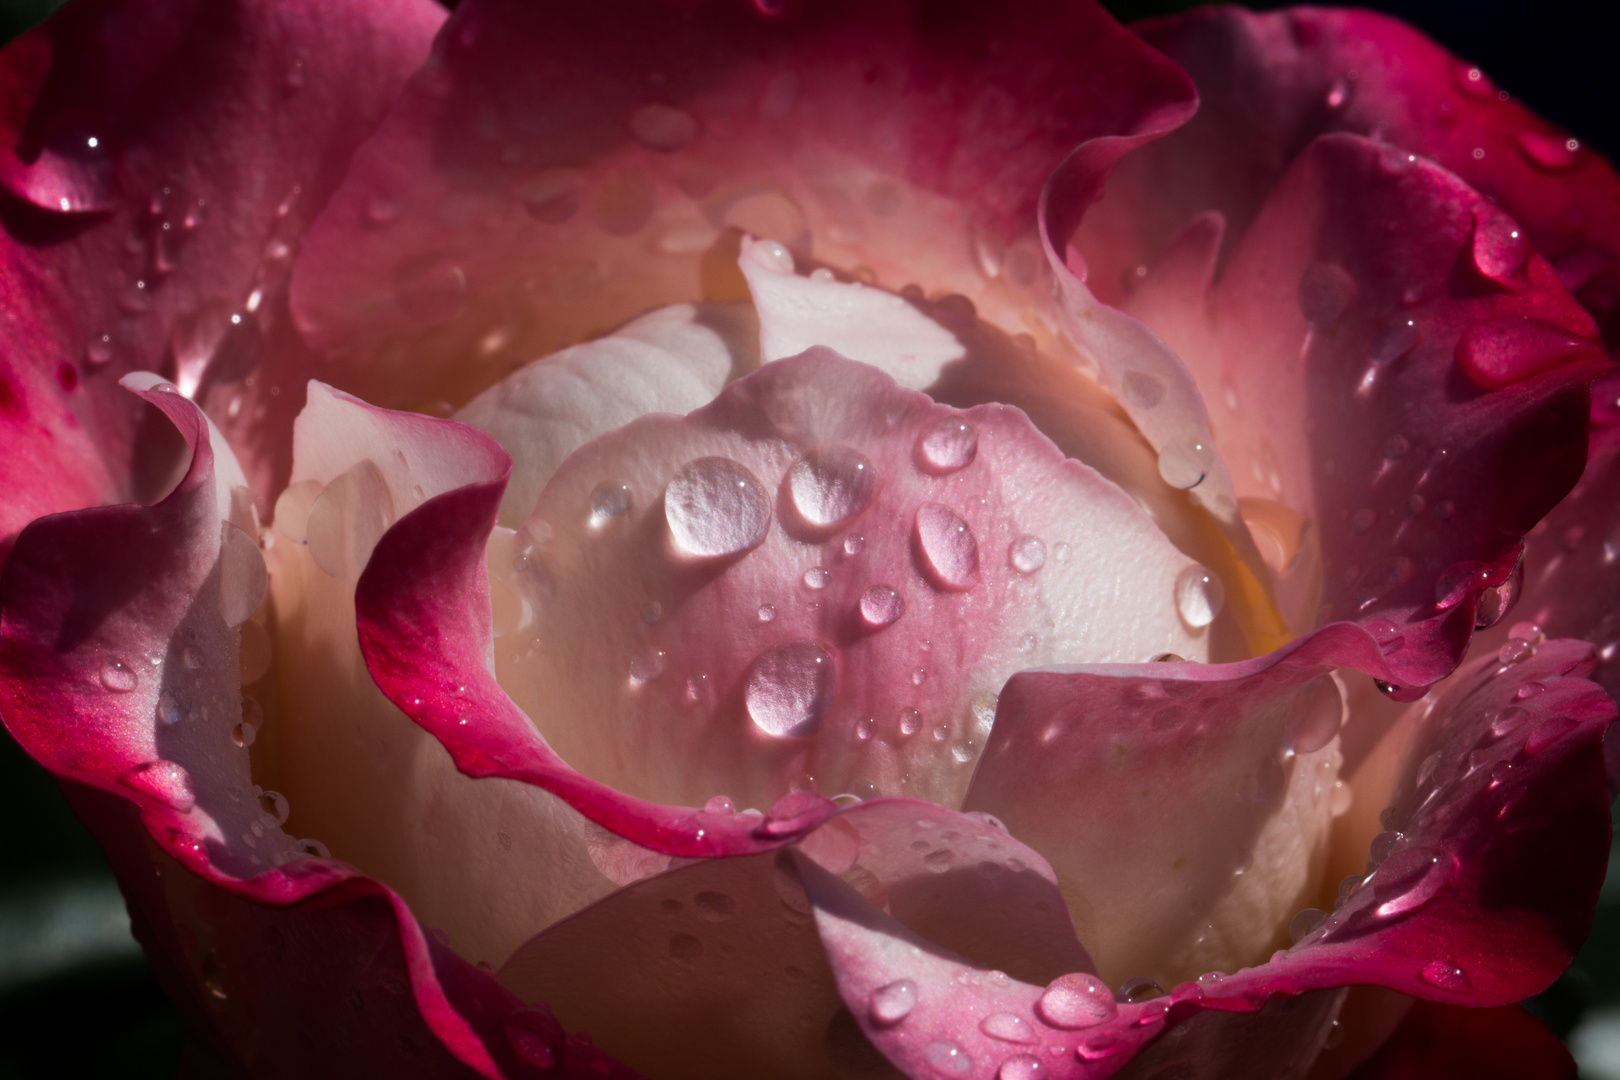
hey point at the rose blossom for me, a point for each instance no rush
(921, 609)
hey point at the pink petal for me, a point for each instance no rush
(1413, 400)
(1505, 1043)
(733, 938)
(847, 642)
(219, 130)
(1269, 82)
(614, 196)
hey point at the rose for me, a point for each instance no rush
(442, 242)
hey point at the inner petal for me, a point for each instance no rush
(820, 582)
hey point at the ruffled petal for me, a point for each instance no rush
(1270, 82)
(157, 171)
(554, 173)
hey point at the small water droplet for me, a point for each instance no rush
(1185, 466)
(1027, 554)
(663, 127)
(866, 728)
(893, 1002)
(1140, 389)
(275, 806)
(716, 508)
(1199, 596)
(881, 606)
(950, 554)
(1325, 293)
(1076, 1001)
(1022, 1067)
(830, 486)
(165, 781)
(790, 688)
(1409, 878)
(1446, 975)
(651, 612)
(719, 805)
(1553, 153)
(685, 949)
(767, 612)
(243, 735)
(1304, 923)
(169, 710)
(609, 499)
(910, 721)
(645, 666)
(951, 443)
(118, 677)
(919, 676)
(817, 577)
(1140, 989)
(948, 1058)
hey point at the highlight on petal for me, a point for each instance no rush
(158, 169)
(827, 579)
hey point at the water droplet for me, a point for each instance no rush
(830, 486)
(274, 805)
(950, 444)
(1325, 293)
(919, 676)
(1199, 596)
(1100, 1047)
(1554, 153)
(1185, 466)
(243, 735)
(430, 294)
(719, 805)
(609, 499)
(950, 554)
(1445, 975)
(1140, 988)
(169, 710)
(663, 127)
(165, 781)
(817, 577)
(854, 545)
(881, 606)
(1022, 1067)
(1473, 82)
(1314, 717)
(715, 906)
(1140, 389)
(866, 728)
(1076, 1001)
(716, 508)
(1394, 339)
(1410, 878)
(767, 612)
(348, 518)
(99, 350)
(1008, 1027)
(70, 171)
(790, 688)
(314, 848)
(910, 721)
(1501, 248)
(684, 949)
(948, 1058)
(645, 666)
(892, 1003)
(1304, 923)
(1027, 554)
(118, 677)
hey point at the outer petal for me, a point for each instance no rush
(1505, 1043)
(534, 179)
(1360, 396)
(1270, 82)
(126, 685)
(157, 170)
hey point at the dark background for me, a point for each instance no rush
(86, 1005)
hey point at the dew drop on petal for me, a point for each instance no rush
(950, 444)
(244, 734)
(1076, 1001)
(790, 688)
(1022, 1067)
(1199, 596)
(609, 499)
(169, 710)
(830, 486)
(1551, 153)
(892, 1003)
(817, 577)
(767, 612)
(1027, 554)
(1446, 975)
(1409, 879)
(716, 508)
(1305, 923)
(950, 553)
(881, 606)
(118, 677)
(1185, 466)
(165, 781)
(274, 805)
(719, 805)
(1008, 1027)
(854, 545)
(947, 1058)
(910, 721)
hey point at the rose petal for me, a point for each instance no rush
(671, 360)
(850, 640)
(1506, 1043)
(218, 130)
(1269, 82)
(613, 196)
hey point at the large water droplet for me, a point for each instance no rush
(609, 499)
(817, 577)
(1027, 554)
(1409, 879)
(348, 519)
(830, 486)
(1199, 596)
(716, 508)
(165, 781)
(950, 444)
(1445, 975)
(1184, 466)
(685, 949)
(70, 171)
(118, 677)
(948, 1058)
(1076, 1001)
(790, 688)
(1008, 1027)
(663, 127)
(881, 606)
(950, 554)
(169, 710)
(892, 1003)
